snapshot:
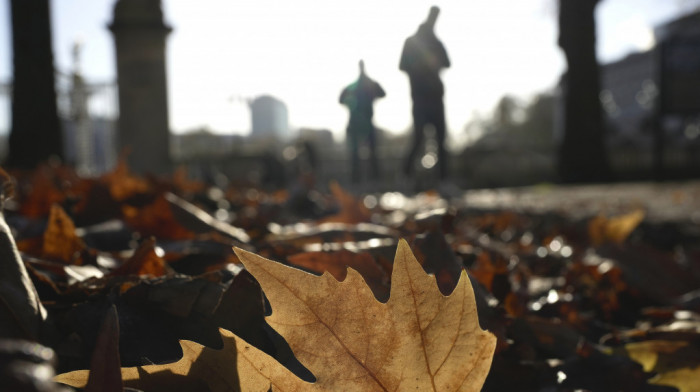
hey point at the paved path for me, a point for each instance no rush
(662, 202)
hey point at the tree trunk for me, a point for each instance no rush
(36, 133)
(582, 155)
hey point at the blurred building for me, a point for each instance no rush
(631, 86)
(652, 102)
(628, 94)
(269, 118)
(202, 143)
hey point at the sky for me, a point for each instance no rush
(304, 52)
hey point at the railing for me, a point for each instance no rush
(89, 139)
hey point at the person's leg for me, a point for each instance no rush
(438, 120)
(354, 149)
(374, 163)
(419, 116)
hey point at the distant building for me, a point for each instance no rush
(269, 117)
(630, 87)
(202, 143)
(687, 25)
(628, 93)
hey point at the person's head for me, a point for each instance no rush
(432, 16)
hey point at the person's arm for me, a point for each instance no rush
(406, 55)
(378, 91)
(444, 59)
(343, 94)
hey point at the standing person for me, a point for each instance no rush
(359, 98)
(422, 58)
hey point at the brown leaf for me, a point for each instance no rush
(42, 194)
(144, 261)
(199, 221)
(7, 187)
(60, 241)
(418, 340)
(122, 184)
(105, 375)
(437, 258)
(156, 219)
(352, 210)
(337, 263)
(21, 312)
(184, 184)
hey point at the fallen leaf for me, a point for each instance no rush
(337, 263)
(21, 312)
(105, 375)
(181, 181)
(156, 219)
(352, 210)
(42, 192)
(685, 379)
(437, 258)
(418, 340)
(676, 362)
(198, 221)
(144, 261)
(122, 184)
(60, 241)
(615, 229)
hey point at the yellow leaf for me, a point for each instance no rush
(685, 379)
(615, 229)
(675, 361)
(419, 340)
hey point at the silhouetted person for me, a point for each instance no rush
(359, 98)
(582, 156)
(274, 175)
(422, 59)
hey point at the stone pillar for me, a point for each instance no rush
(139, 36)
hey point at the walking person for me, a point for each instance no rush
(422, 58)
(359, 97)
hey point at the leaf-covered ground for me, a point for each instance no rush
(586, 288)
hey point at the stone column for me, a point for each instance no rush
(139, 36)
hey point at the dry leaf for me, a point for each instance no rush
(337, 263)
(181, 182)
(198, 221)
(41, 194)
(122, 184)
(61, 243)
(156, 219)
(615, 229)
(21, 313)
(104, 366)
(144, 261)
(352, 210)
(418, 340)
(676, 362)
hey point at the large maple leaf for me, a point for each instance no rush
(419, 340)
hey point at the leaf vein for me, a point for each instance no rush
(422, 332)
(337, 338)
